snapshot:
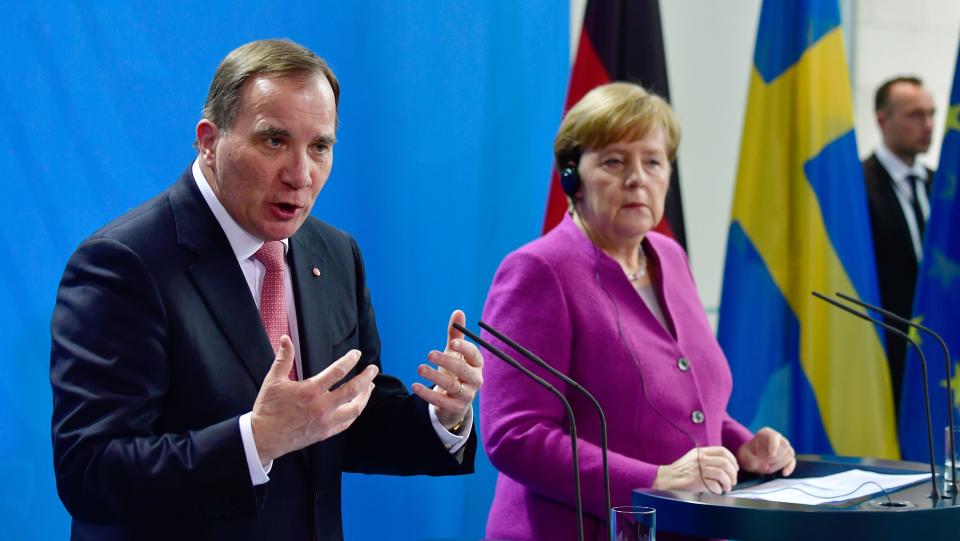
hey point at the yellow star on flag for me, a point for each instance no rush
(913, 332)
(953, 118)
(954, 383)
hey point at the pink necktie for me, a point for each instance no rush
(273, 302)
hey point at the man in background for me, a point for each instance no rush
(898, 188)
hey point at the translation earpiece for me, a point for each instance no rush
(570, 179)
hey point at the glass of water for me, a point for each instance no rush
(947, 463)
(633, 523)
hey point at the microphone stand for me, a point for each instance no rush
(947, 367)
(566, 404)
(926, 390)
(569, 381)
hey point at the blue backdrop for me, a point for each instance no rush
(447, 117)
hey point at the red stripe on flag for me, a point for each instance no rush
(664, 227)
(588, 72)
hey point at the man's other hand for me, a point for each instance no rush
(457, 379)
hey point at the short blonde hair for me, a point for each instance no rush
(610, 113)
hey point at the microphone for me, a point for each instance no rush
(566, 404)
(946, 360)
(923, 363)
(569, 381)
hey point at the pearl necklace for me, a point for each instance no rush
(634, 276)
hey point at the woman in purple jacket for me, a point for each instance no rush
(612, 304)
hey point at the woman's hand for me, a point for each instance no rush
(702, 468)
(768, 452)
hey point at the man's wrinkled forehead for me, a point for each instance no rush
(257, 89)
(263, 95)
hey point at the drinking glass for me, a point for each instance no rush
(948, 471)
(633, 523)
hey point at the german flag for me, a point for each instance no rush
(621, 40)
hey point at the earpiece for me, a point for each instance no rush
(570, 179)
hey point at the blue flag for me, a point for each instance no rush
(937, 303)
(800, 223)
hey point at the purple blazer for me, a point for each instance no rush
(663, 391)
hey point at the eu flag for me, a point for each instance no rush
(800, 223)
(937, 301)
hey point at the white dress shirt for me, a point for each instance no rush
(899, 172)
(244, 245)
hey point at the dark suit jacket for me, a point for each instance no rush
(896, 260)
(158, 348)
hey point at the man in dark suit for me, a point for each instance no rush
(215, 360)
(898, 194)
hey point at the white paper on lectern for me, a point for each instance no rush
(838, 487)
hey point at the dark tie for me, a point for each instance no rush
(273, 301)
(915, 184)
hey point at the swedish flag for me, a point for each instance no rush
(800, 223)
(937, 302)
